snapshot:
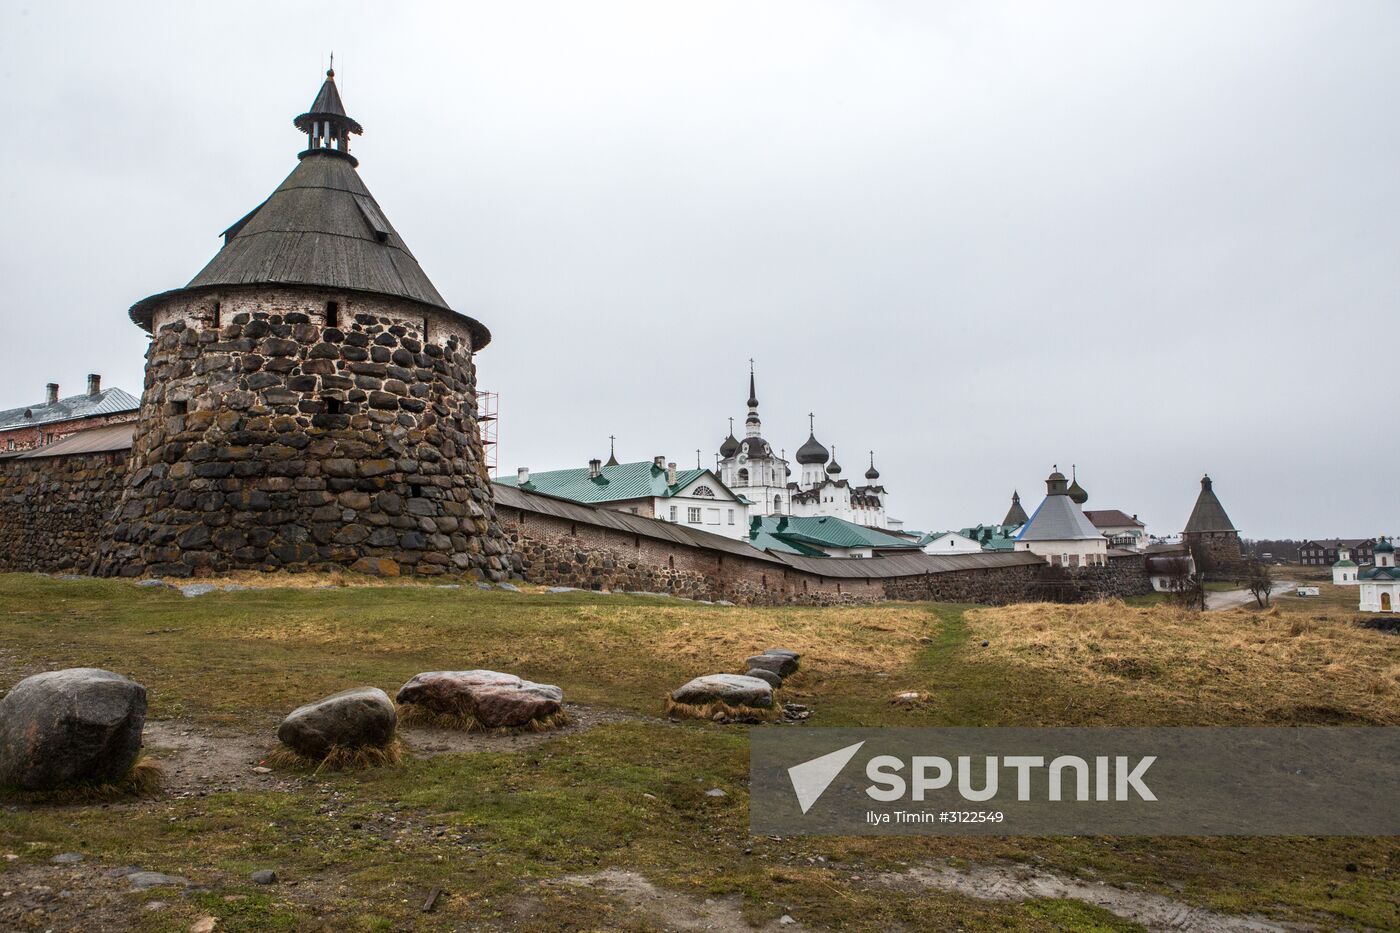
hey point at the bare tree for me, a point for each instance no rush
(1187, 588)
(1258, 578)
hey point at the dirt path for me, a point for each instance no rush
(656, 908)
(202, 759)
(1019, 883)
(1230, 599)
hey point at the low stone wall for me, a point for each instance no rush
(53, 509)
(991, 586)
(555, 551)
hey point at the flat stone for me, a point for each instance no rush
(495, 699)
(780, 664)
(68, 858)
(734, 689)
(376, 566)
(785, 652)
(508, 587)
(144, 880)
(160, 584)
(80, 725)
(767, 676)
(563, 589)
(356, 718)
(265, 876)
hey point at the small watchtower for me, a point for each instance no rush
(1213, 539)
(309, 397)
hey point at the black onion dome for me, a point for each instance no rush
(812, 451)
(872, 474)
(833, 468)
(1077, 493)
(730, 447)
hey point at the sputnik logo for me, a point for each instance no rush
(811, 778)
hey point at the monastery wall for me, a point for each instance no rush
(53, 509)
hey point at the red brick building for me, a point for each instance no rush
(55, 418)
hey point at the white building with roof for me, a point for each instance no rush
(1379, 584)
(1345, 571)
(751, 468)
(1059, 531)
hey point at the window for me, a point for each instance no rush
(332, 314)
(731, 511)
(712, 516)
(673, 513)
(777, 503)
(333, 406)
(705, 491)
(744, 477)
(692, 515)
(218, 313)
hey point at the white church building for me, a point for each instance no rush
(1380, 583)
(764, 477)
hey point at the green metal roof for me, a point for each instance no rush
(993, 537)
(1380, 574)
(768, 542)
(615, 483)
(824, 532)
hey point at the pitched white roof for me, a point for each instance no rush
(1058, 518)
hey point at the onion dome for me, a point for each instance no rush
(833, 468)
(872, 474)
(812, 451)
(1383, 546)
(730, 447)
(1076, 491)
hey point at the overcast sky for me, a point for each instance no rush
(979, 238)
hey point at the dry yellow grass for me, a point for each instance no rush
(1251, 666)
(853, 640)
(339, 758)
(416, 715)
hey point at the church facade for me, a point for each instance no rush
(765, 477)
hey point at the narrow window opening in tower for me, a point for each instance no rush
(179, 408)
(332, 314)
(218, 314)
(416, 489)
(334, 406)
(671, 562)
(425, 330)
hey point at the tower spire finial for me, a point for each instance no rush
(753, 393)
(330, 72)
(612, 450)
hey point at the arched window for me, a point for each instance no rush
(744, 476)
(777, 503)
(703, 491)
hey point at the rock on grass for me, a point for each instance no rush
(76, 726)
(781, 664)
(730, 689)
(363, 717)
(495, 700)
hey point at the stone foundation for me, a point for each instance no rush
(288, 429)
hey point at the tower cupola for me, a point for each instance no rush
(872, 474)
(1056, 484)
(812, 451)
(326, 125)
(833, 468)
(1076, 491)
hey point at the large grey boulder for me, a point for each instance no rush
(781, 664)
(75, 726)
(496, 700)
(733, 689)
(357, 718)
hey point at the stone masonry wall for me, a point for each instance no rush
(554, 551)
(53, 509)
(990, 586)
(1217, 553)
(298, 429)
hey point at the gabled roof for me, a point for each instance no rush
(993, 537)
(642, 480)
(107, 402)
(1380, 574)
(1334, 543)
(1111, 518)
(1209, 514)
(1058, 518)
(825, 531)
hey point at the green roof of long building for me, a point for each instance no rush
(821, 532)
(614, 483)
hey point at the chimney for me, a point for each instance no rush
(659, 462)
(670, 474)
(51, 393)
(94, 384)
(595, 468)
(522, 475)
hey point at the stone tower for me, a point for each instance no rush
(1213, 539)
(309, 397)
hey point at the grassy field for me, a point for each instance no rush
(536, 837)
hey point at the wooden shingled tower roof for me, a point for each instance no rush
(1208, 515)
(320, 228)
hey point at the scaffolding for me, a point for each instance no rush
(488, 419)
